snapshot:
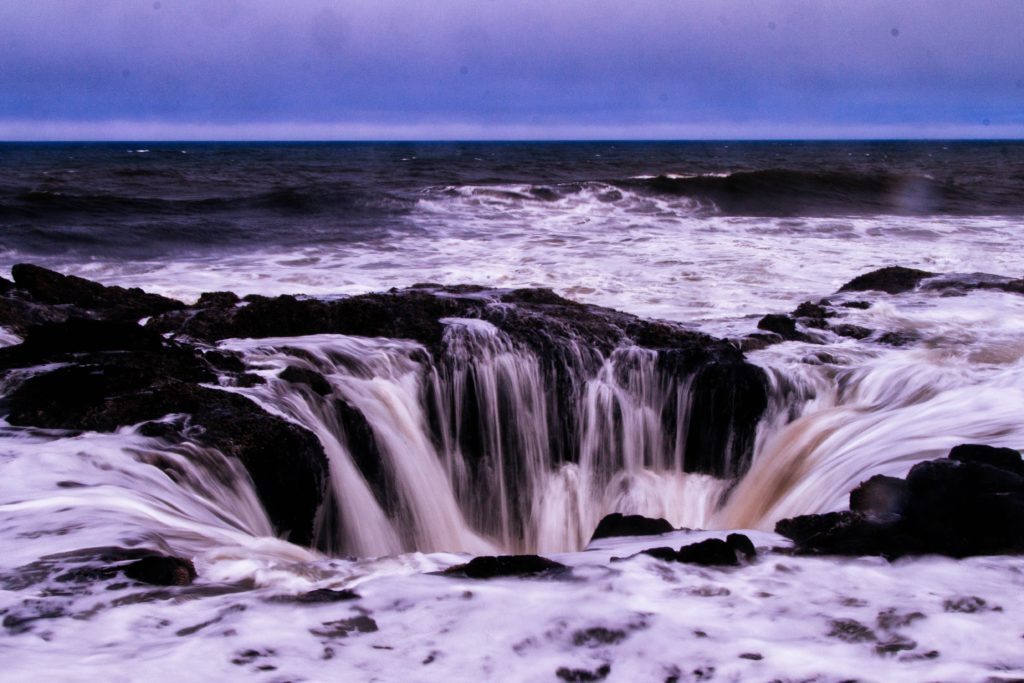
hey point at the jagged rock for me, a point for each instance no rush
(115, 303)
(892, 280)
(161, 570)
(489, 567)
(617, 524)
(217, 300)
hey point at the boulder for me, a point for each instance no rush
(971, 503)
(617, 524)
(892, 280)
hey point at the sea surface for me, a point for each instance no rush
(712, 234)
(698, 232)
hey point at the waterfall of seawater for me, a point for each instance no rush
(458, 455)
(829, 430)
(469, 450)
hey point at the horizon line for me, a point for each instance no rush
(495, 140)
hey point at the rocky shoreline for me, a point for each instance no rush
(86, 364)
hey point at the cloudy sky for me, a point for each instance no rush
(376, 69)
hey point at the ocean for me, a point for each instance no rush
(708, 236)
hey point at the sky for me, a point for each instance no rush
(510, 69)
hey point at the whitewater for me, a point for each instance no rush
(839, 411)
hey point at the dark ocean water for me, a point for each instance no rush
(144, 200)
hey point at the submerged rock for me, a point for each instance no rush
(161, 570)
(617, 524)
(489, 567)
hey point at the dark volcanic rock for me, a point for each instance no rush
(880, 497)
(489, 567)
(77, 335)
(314, 380)
(782, 325)
(853, 331)
(617, 524)
(966, 508)
(105, 391)
(1001, 458)
(116, 303)
(161, 570)
(841, 533)
(892, 280)
(971, 503)
(711, 552)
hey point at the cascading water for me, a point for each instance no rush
(458, 454)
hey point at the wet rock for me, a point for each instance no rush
(617, 524)
(758, 341)
(312, 379)
(957, 506)
(742, 545)
(115, 303)
(861, 305)
(1001, 458)
(852, 331)
(813, 311)
(583, 675)
(107, 391)
(880, 497)
(318, 596)
(965, 508)
(217, 300)
(899, 338)
(892, 280)
(894, 644)
(842, 533)
(712, 552)
(851, 631)
(343, 628)
(597, 636)
(161, 570)
(782, 325)
(489, 567)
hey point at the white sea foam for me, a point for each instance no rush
(650, 256)
(862, 408)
